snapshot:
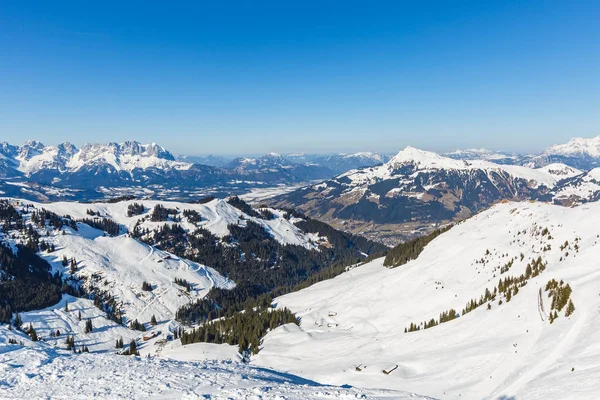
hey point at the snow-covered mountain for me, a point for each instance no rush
(97, 171)
(210, 160)
(581, 153)
(340, 163)
(274, 164)
(497, 157)
(129, 256)
(308, 166)
(579, 189)
(499, 280)
(34, 157)
(416, 190)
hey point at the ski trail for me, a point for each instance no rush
(546, 363)
(149, 254)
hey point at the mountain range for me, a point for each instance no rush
(96, 171)
(417, 191)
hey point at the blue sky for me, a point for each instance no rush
(251, 77)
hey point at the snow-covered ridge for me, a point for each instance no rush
(421, 160)
(582, 188)
(561, 170)
(216, 216)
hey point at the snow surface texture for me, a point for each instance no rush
(38, 371)
(510, 351)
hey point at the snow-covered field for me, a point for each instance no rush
(352, 327)
(511, 350)
(40, 372)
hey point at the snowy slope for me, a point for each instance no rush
(512, 350)
(118, 265)
(216, 215)
(103, 337)
(561, 171)
(580, 189)
(38, 370)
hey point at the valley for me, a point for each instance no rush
(499, 301)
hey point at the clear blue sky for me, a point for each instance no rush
(260, 76)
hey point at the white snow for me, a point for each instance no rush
(560, 170)
(358, 318)
(34, 157)
(577, 147)
(37, 370)
(422, 160)
(586, 187)
(216, 214)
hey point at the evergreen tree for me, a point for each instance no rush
(17, 322)
(153, 320)
(570, 309)
(32, 333)
(88, 326)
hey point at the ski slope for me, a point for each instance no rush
(38, 370)
(352, 326)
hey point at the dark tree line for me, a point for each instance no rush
(242, 329)
(184, 283)
(243, 206)
(203, 200)
(405, 252)
(135, 209)
(104, 224)
(27, 282)
(45, 218)
(161, 213)
(192, 216)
